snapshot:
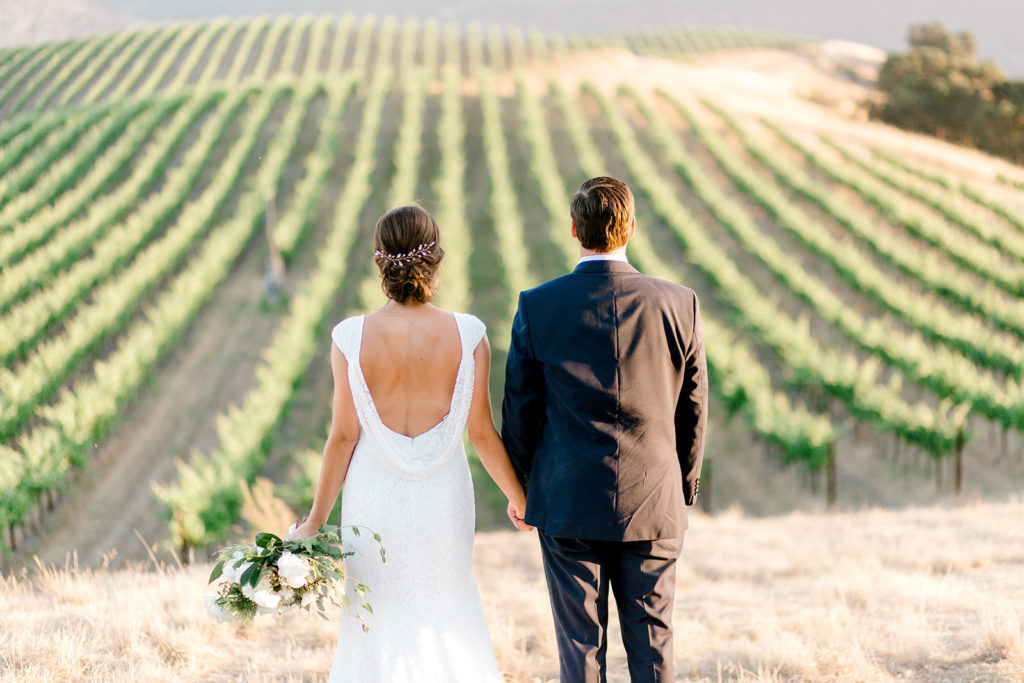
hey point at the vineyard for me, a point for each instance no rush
(186, 211)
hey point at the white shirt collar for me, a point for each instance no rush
(603, 257)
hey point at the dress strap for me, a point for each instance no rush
(348, 335)
(471, 331)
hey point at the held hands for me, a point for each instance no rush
(516, 513)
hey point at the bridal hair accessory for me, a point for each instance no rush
(404, 259)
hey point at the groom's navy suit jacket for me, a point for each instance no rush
(605, 405)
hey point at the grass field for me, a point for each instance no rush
(923, 594)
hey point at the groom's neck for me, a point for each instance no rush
(590, 252)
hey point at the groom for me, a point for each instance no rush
(604, 418)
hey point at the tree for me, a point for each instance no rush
(940, 88)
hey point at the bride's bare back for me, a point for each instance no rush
(410, 357)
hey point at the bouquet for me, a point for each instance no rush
(273, 575)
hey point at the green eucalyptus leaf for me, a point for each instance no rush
(263, 540)
(251, 575)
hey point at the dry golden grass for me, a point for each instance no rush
(931, 594)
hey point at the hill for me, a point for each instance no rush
(873, 22)
(860, 287)
(930, 594)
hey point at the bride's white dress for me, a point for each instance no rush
(428, 622)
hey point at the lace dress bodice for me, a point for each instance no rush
(416, 492)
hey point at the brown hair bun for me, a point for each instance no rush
(408, 252)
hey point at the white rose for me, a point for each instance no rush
(215, 610)
(293, 570)
(230, 573)
(263, 594)
(287, 596)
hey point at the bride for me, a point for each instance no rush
(408, 379)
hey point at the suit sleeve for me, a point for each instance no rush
(692, 410)
(522, 409)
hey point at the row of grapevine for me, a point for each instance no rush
(159, 69)
(18, 60)
(100, 67)
(42, 249)
(1007, 240)
(678, 42)
(929, 267)
(42, 457)
(193, 60)
(982, 259)
(292, 226)
(450, 184)
(1010, 214)
(967, 335)
(315, 48)
(204, 499)
(256, 29)
(21, 138)
(113, 303)
(68, 69)
(111, 78)
(946, 372)
(83, 173)
(27, 165)
(339, 44)
(34, 68)
(843, 375)
(504, 205)
(19, 126)
(128, 80)
(734, 370)
(544, 170)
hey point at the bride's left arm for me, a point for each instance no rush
(485, 437)
(341, 442)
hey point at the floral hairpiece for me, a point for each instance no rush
(404, 259)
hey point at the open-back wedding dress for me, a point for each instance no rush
(428, 622)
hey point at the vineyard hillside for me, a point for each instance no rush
(187, 210)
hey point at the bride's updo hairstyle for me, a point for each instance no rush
(407, 250)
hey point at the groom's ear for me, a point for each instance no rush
(632, 227)
(573, 222)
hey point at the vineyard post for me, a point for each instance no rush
(958, 463)
(830, 474)
(275, 267)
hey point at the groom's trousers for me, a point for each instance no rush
(641, 575)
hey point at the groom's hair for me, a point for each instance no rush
(602, 209)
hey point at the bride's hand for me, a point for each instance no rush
(517, 513)
(302, 529)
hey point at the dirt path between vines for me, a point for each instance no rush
(208, 369)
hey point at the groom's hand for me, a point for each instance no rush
(514, 515)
